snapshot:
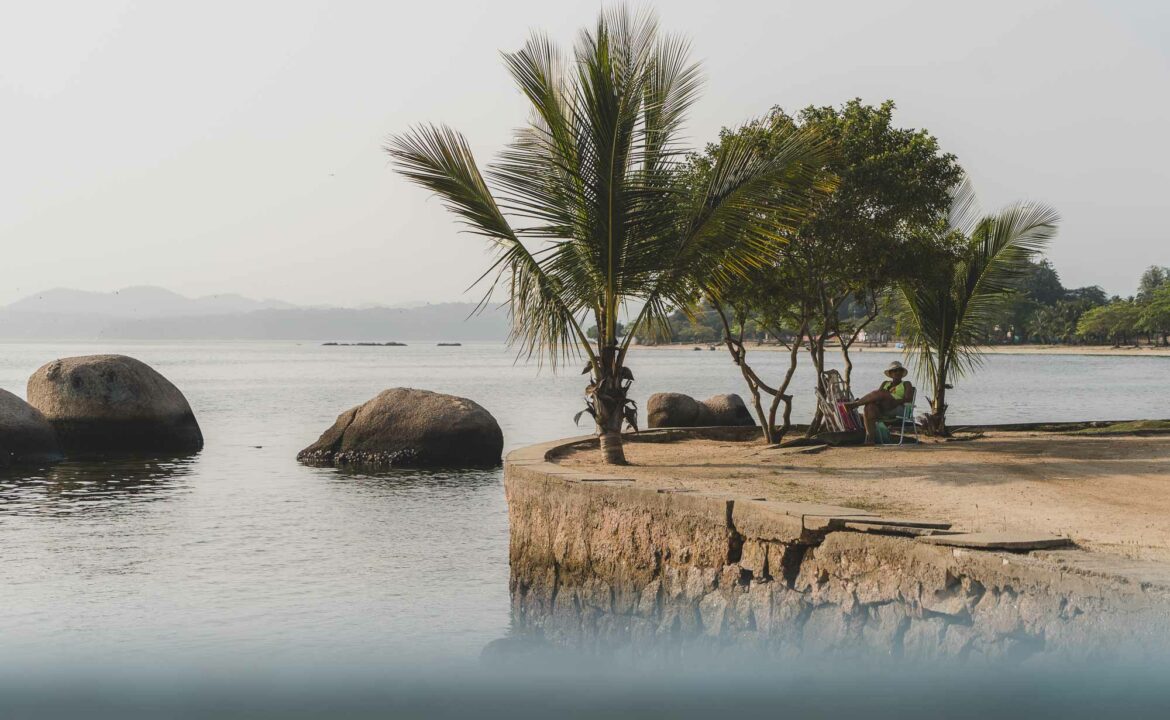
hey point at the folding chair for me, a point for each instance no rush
(904, 415)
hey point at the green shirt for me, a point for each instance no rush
(897, 390)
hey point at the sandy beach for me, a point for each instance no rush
(1110, 495)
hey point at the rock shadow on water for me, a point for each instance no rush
(447, 479)
(90, 485)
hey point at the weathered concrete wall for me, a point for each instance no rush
(602, 564)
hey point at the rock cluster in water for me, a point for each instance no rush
(679, 410)
(25, 435)
(96, 404)
(404, 427)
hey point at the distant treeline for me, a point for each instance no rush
(1040, 311)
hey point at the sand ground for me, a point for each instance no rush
(1110, 494)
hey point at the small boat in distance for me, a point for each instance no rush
(450, 344)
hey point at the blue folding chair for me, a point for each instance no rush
(903, 416)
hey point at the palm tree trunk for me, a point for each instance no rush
(608, 393)
(612, 449)
(936, 421)
(610, 402)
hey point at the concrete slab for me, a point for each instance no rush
(799, 509)
(906, 522)
(1016, 541)
(904, 530)
(1144, 573)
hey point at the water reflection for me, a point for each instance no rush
(87, 486)
(409, 480)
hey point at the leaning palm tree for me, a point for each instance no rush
(943, 319)
(586, 207)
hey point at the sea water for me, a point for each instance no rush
(238, 556)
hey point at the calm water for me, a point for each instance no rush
(241, 553)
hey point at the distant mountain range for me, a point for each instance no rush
(148, 313)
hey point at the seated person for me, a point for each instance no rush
(884, 401)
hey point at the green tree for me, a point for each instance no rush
(1091, 296)
(1155, 313)
(1041, 283)
(1153, 279)
(1118, 322)
(827, 283)
(594, 179)
(871, 232)
(942, 320)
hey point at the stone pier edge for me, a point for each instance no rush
(810, 523)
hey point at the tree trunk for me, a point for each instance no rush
(817, 349)
(936, 420)
(612, 448)
(739, 357)
(608, 395)
(781, 394)
(610, 403)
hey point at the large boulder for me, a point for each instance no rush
(679, 410)
(728, 410)
(25, 435)
(404, 427)
(674, 410)
(113, 403)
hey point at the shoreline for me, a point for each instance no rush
(1086, 350)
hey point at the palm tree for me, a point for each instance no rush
(594, 179)
(943, 319)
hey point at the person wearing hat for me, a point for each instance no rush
(890, 396)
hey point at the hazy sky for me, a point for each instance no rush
(235, 147)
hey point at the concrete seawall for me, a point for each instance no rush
(602, 563)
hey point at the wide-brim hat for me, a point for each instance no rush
(896, 367)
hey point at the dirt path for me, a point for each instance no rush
(1109, 494)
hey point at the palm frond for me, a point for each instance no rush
(439, 159)
(943, 321)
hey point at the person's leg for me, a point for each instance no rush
(870, 398)
(871, 414)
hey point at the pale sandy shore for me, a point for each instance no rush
(1111, 495)
(1143, 351)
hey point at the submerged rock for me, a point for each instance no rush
(404, 427)
(25, 435)
(679, 410)
(113, 403)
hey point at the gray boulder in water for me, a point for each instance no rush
(728, 410)
(113, 403)
(674, 410)
(679, 410)
(25, 435)
(404, 427)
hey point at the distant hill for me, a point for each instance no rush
(139, 302)
(149, 313)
